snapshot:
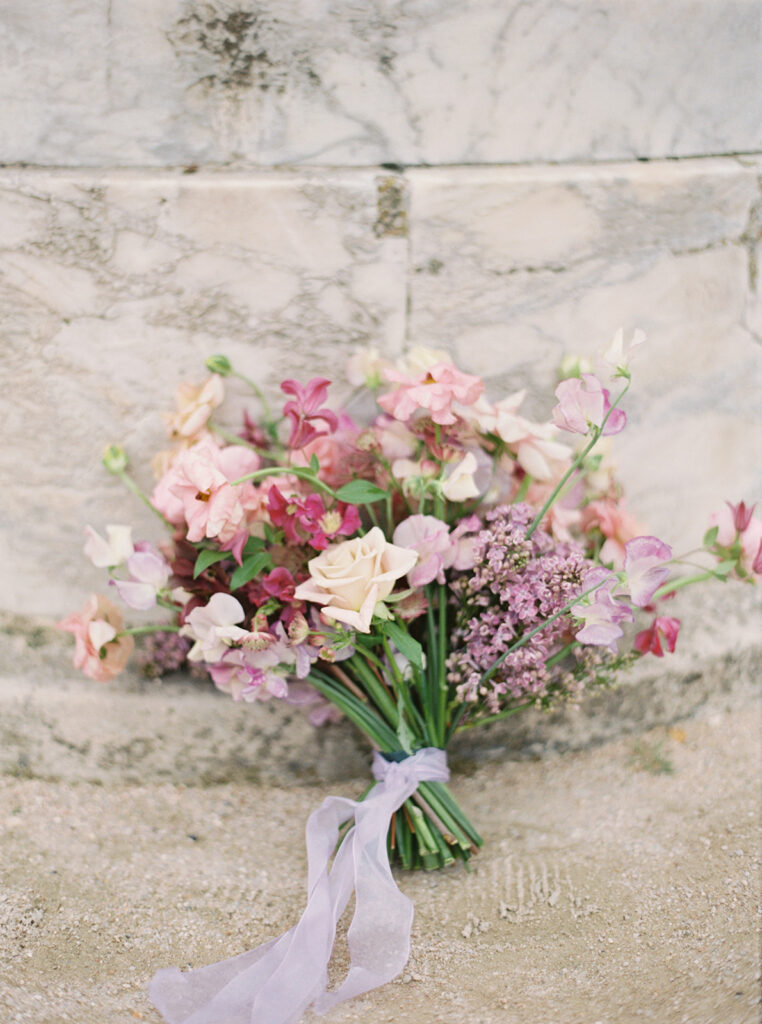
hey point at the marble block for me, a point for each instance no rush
(512, 268)
(114, 287)
(135, 82)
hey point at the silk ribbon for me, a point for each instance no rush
(276, 982)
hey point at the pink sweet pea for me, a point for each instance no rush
(739, 522)
(430, 537)
(305, 408)
(644, 559)
(603, 613)
(583, 403)
(149, 574)
(663, 630)
(433, 391)
(616, 524)
(99, 652)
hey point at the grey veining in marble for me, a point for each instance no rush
(511, 268)
(135, 82)
(116, 287)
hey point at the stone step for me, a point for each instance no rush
(55, 725)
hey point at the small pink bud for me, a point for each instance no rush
(741, 515)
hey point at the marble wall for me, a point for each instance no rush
(136, 82)
(149, 217)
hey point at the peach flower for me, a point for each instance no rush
(99, 652)
(350, 578)
(194, 404)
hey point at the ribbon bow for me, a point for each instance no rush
(277, 981)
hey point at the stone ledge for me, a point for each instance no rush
(56, 726)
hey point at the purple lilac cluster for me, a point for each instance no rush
(161, 653)
(516, 584)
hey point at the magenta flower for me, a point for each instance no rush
(433, 391)
(279, 583)
(644, 564)
(305, 407)
(584, 403)
(663, 631)
(603, 613)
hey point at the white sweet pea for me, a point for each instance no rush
(149, 574)
(106, 553)
(460, 485)
(619, 354)
(213, 628)
(100, 633)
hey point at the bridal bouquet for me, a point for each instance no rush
(437, 568)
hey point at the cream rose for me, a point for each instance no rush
(350, 578)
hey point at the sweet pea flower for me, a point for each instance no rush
(644, 559)
(149, 574)
(433, 391)
(98, 652)
(365, 368)
(459, 484)
(194, 404)
(663, 631)
(394, 439)
(536, 450)
(213, 628)
(616, 524)
(619, 354)
(739, 522)
(420, 358)
(603, 613)
(106, 553)
(584, 403)
(251, 675)
(350, 578)
(305, 408)
(331, 451)
(430, 538)
(463, 543)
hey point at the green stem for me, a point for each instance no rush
(442, 663)
(258, 392)
(235, 439)
(528, 636)
(683, 581)
(521, 493)
(560, 655)
(493, 718)
(375, 689)
(130, 484)
(402, 690)
(303, 474)
(597, 434)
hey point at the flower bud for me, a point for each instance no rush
(219, 364)
(573, 365)
(115, 459)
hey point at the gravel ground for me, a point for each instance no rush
(619, 884)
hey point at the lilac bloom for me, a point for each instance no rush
(644, 559)
(584, 403)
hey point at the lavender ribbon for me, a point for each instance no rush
(276, 982)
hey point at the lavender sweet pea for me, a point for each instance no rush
(645, 561)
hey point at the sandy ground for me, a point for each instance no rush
(619, 884)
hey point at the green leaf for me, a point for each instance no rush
(361, 492)
(314, 464)
(250, 568)
(404, 732)
(710, 537)
(252, 546)
(407, 645)
(724, 568)
(207, 557)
